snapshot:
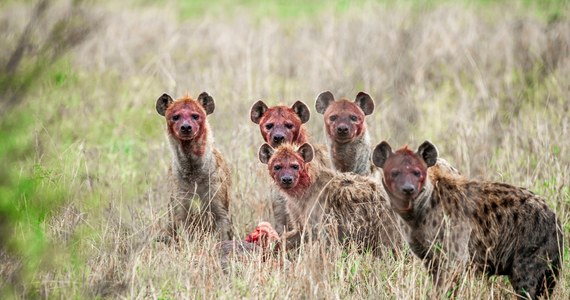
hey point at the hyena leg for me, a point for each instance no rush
(281, 217)
(291, 239)
(534, 273)
(177, 214)
(445, 275)
(222, 220)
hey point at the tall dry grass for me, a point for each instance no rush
(489, 86)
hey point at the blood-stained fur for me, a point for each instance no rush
(199, 178)
(258, 244)
(282, 124)
(453, 223)
(324, 204)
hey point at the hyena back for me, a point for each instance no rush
(452, 222)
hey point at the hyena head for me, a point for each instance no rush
(281, 124)
(405, 172)
(344, 119)
(288, 165)
(186, 117)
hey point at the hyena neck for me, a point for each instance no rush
(191, 157)
(412, 223)
(307, 195)
(423, 205)
(310, 183)
(353, 156)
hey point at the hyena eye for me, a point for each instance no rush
(353, 118)
(268, 126)
(417, 173)
(195, 116)
(394, 173)
(277, 167)
(332, 118)
(175, 117)
(295, 167)
(289, 126)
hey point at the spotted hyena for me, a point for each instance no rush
(199, 177)
(283, 124)
(325, 204)
(345, 126)
(452, 222)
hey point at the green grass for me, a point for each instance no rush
(30, 195)
(550, 10)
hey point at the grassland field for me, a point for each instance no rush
(83, 153)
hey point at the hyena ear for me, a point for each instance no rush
(323, 101)
(381, 153)
(428, 152)
(302, 111)
(306, 151)
(365, 102)
(257, 111)
(207, 102)
(265, 153)
(162, 103)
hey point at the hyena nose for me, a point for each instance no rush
(278, 138)
(408, 189)
(286, 180)
(186, 128)
(342, 129)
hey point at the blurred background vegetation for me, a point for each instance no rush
(83, 158)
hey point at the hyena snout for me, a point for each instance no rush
(185, 128)
(287, 180)
(278, 138)
(342, 129)
(408, 189)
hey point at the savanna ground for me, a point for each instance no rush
(84, 156)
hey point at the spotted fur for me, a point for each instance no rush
(324, 204)
(454, 223)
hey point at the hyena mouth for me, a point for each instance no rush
(286, 183)
(399, 204)
(186, 136)
(341, 138)
(402, 206)
(276, 144)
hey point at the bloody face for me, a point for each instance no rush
(285, 168)
(404, 175)
(185, 119)
(344, 121)
(280, 124)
